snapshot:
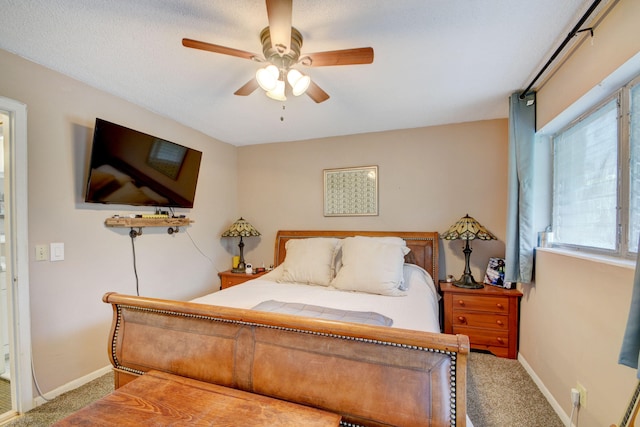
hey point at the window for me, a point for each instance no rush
(596, 182)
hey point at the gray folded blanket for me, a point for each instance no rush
(308, 310)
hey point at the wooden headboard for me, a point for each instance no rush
(423, 244)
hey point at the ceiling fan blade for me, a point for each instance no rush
(248, 88)
(361, 55)
(195, 44)
(316, 93)
(279, 13)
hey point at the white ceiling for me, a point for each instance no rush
(436, 61)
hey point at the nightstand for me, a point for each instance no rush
(228, 279)
(488, 316)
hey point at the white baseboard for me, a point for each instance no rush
(545, 392)
(39, 400)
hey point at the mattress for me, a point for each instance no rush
(417, 309)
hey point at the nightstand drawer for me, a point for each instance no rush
(481, 303)
(480, 320)
(228, 278)
(227, 282)
(481, 337)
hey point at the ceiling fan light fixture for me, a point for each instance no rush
(278, 92)
(267, 77)
(298, 81)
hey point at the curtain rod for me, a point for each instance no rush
(576, 29)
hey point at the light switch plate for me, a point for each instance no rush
(57, 252)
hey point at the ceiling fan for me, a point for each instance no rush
(281, 44)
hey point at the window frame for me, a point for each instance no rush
(623, 187)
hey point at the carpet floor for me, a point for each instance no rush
(63, 405)
(5, 396)
(500, 393)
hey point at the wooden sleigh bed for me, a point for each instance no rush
(367, 374)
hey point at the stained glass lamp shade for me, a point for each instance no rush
(467, 228)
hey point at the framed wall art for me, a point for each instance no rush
(351, 191)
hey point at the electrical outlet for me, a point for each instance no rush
(575, 397)
(42, 252)
(583, 395)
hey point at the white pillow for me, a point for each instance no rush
(372, 265)
(390, 240)
(309, 261)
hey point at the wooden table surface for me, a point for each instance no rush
(160, 399)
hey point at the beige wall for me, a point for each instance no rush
(573, 316)
(428, 179)
(572, 323)
(69, 322)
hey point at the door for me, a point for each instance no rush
(14, 253)
(5, 370)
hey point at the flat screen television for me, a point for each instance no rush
(129, 167)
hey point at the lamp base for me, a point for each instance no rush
(238, 270)
(468, 282)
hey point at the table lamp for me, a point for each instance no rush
(467, 228)
(243, 229)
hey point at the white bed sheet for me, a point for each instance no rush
(418, 310)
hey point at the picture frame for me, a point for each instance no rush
(495, 274)
(351, 191)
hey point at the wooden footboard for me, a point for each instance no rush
(370, 375)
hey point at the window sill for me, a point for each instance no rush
(602, 259)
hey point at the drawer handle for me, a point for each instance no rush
(499, 322)
(500, 340)
(499, 305)
(461, 302)
(461, 319)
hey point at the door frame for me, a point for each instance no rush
(17, 251)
